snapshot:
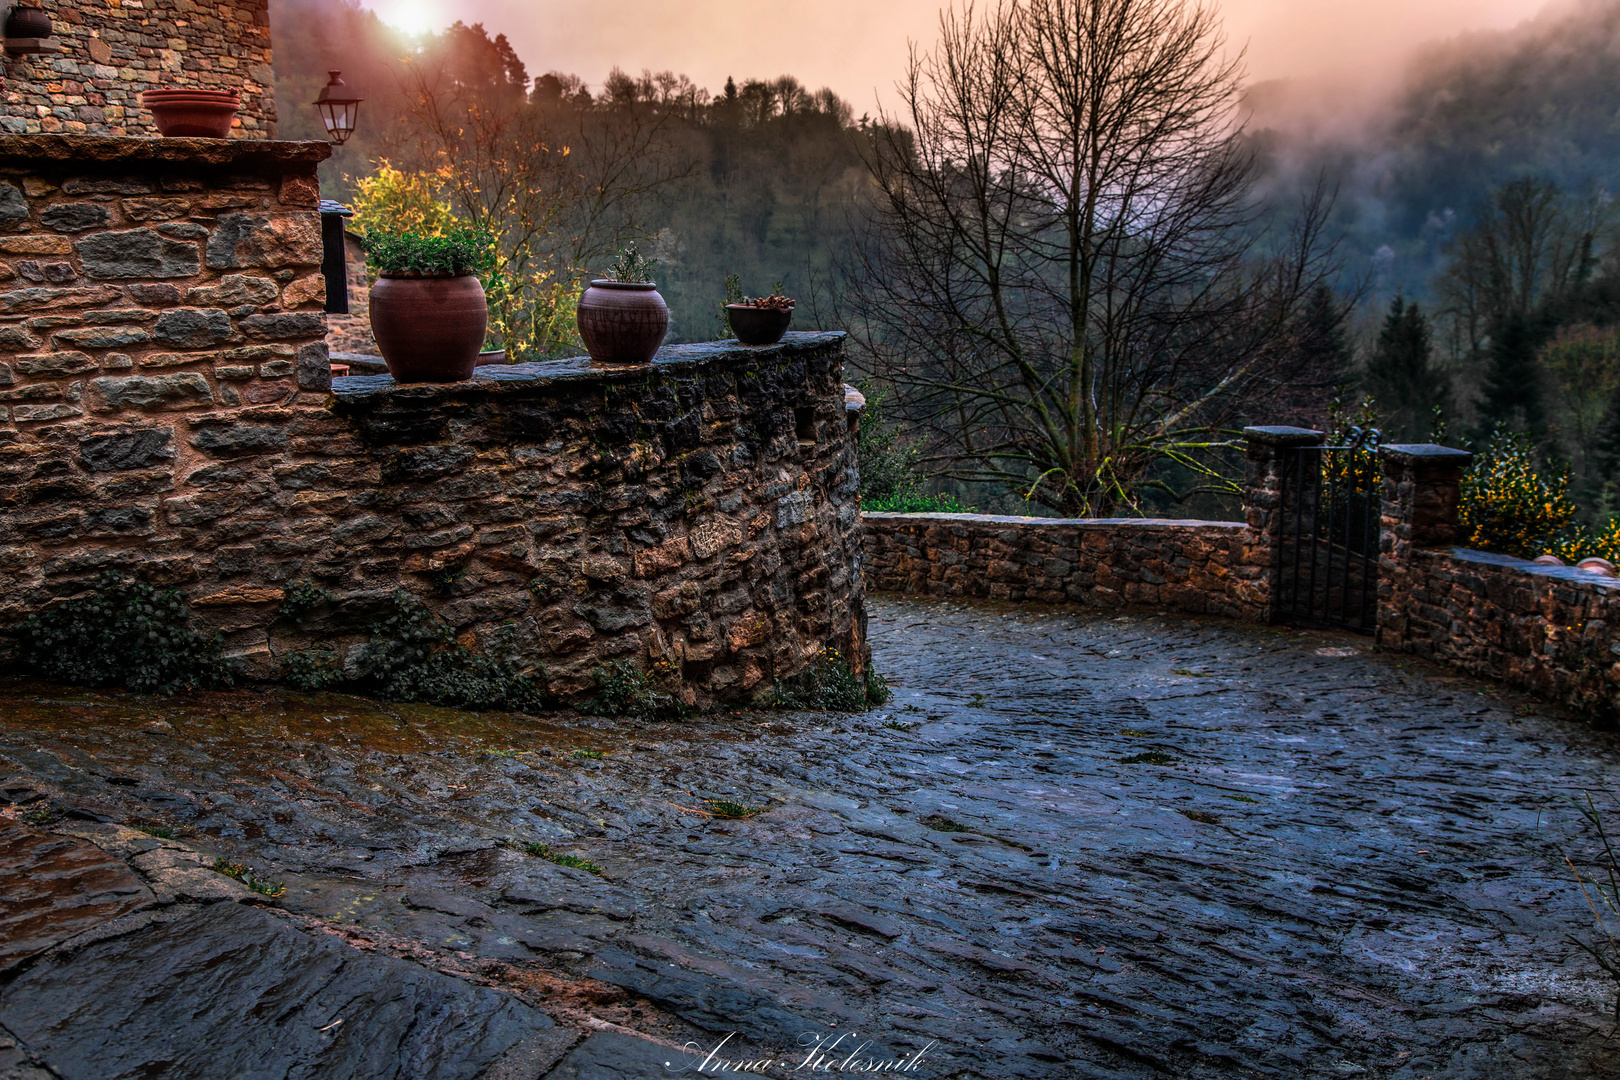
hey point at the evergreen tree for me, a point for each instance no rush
(1605, 465)
(1402, 377)
(1513, 378)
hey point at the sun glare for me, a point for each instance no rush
(411, 16)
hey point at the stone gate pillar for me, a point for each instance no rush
(1422, 488)
(1263, 511)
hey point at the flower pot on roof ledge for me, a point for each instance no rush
(623, 322)
(429, 328)
(184, 113)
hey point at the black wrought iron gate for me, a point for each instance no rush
(1327, 557)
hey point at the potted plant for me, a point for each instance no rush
(427, 308)
(762, 320)
(621, 316)
(189, 113)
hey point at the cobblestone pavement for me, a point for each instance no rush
(1074, 845)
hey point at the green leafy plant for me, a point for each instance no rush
(162, 832)
(545, 851)
(624, 690)
(829, 682)
(582, 754)
(413, 655)
(725, 808)
(41, 815)
(454, 253)
(273, 889)
(312, 669)
(1151, 757)
(123, 633)
(302, 597)
(630, 267)
(940, 823)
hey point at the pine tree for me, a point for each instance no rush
(1605, 465)
(1401, 376)
(1513, 378)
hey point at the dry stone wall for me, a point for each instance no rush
(114, 49)
(1194, 566)
(696, 516)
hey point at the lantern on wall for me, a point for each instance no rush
(339, 105)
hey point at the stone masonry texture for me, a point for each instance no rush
(1195, 566)
(697, 517)
(113, 50)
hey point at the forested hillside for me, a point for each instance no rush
(1415, 160)
(752, 180)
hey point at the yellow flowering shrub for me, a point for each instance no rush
(391, 201)
(1511, 507)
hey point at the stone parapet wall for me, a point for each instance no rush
(1193, 566)
(113, 50)
(696, 516)
(1552, 630)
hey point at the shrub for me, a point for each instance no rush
(413, 656)
(454, 253)
(624, 690)
(831, 683)
(1511, 507)
(124, 633)
(914, 502)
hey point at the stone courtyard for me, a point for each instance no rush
(1075, 844)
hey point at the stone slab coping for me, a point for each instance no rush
(1546, 570)
(1096, 523)
(1424, 454)
(31, 150)
(1284, 436)
(370, 363)
(671, 359)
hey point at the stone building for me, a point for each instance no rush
(111, 50)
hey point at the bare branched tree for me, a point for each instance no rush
(560, 182)
(1530, 243)
(1061, 276)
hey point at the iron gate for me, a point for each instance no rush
(1327, 554)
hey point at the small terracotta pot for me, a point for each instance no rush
(28, 21)
(622, 322)
(180, 114)
(429, 329)
(758, 326)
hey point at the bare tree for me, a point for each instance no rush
(560, 181)
(1530, 243)
(1061, 276)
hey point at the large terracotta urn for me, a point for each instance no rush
(622, 322)
(429, 329)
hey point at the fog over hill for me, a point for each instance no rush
(1414, 153)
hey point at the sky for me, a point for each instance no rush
(858, 47)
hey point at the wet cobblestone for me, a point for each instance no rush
(1074, 845)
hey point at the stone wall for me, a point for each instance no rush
(1547, 629)
(1194, 566)
(697, 517)
(148, 277)
(113, 50)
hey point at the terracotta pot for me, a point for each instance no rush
(181, 114)
(28, 21)
(1595, 565)
(429, 328)
(758, 326)
(622, 322)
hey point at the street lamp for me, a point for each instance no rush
(338, 105)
